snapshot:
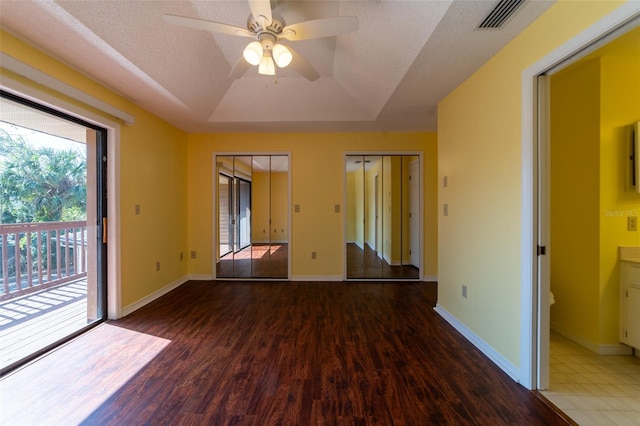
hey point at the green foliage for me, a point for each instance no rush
(39, 184)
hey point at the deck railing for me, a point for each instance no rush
(35, 256)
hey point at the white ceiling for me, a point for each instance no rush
(388, 76)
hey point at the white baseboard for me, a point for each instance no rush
(153, 296)
(200, 277)
(511, 370)
(604, 349)
(430, 278)
(316, 278)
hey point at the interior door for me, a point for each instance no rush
(252, 216)
(414, 213)
(380, 240)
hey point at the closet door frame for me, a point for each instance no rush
(215, 212)
(363, 154)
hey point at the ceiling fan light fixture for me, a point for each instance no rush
(282, 55)
(253, 53)
(267, 66)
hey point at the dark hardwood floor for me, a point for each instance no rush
(255, 261)
(366, 264)
(274, 353)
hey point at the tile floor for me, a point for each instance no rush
(592, 389)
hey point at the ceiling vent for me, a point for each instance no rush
(499, 15)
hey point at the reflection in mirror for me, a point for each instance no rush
(261, 234)
(225, 228)
(242, 216)
(252, 220)
(382, 215)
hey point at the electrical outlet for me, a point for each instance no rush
(137, 209)
(181, 255)
(296, 208)
(157, 266)
(464, 291)
(336, 208)
(632, 223)
(193, 254)
(313, 255)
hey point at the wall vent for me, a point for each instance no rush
(499, 15)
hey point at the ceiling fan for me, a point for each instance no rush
(268, 29)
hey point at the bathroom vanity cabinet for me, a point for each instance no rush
(630, 301)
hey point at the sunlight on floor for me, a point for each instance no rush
(39, 393)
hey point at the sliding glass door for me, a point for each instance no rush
(383, 216)
(252, 216)
(52, 227)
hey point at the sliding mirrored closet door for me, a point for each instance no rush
(383, 216)
(252, 216)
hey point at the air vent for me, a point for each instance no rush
(499, 15)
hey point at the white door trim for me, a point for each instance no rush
(530, 321)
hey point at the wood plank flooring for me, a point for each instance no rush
(256, 261)
(365, 264)
(275, 353)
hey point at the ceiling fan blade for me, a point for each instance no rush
(239, 68)
(261, 8)
(201, 24)
(318, 28)
(304, 68)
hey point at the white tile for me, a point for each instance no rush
(599, 418)
(624, 418)
(597, 389)
(561, 402)
(579, 417)
(632, 402)
(616, 403)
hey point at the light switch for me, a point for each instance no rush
(296, 208)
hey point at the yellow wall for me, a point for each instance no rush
(620, 107)
(575, 200)
(592, 107)
(479, 149)
(152, 174)
(317, 168)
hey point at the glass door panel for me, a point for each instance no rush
(355, 216)
(225, 217)
(382, 230)
(52, 211)
(261, 198)
(373, 230)
(279, 214)
(252, 216)
(242, 216)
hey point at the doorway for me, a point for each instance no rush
(586, 107)
(53, 211)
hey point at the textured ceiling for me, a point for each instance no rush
(387, 76)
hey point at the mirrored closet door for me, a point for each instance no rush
(383, 216)
(252, 216)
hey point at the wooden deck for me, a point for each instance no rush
(31, 323)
